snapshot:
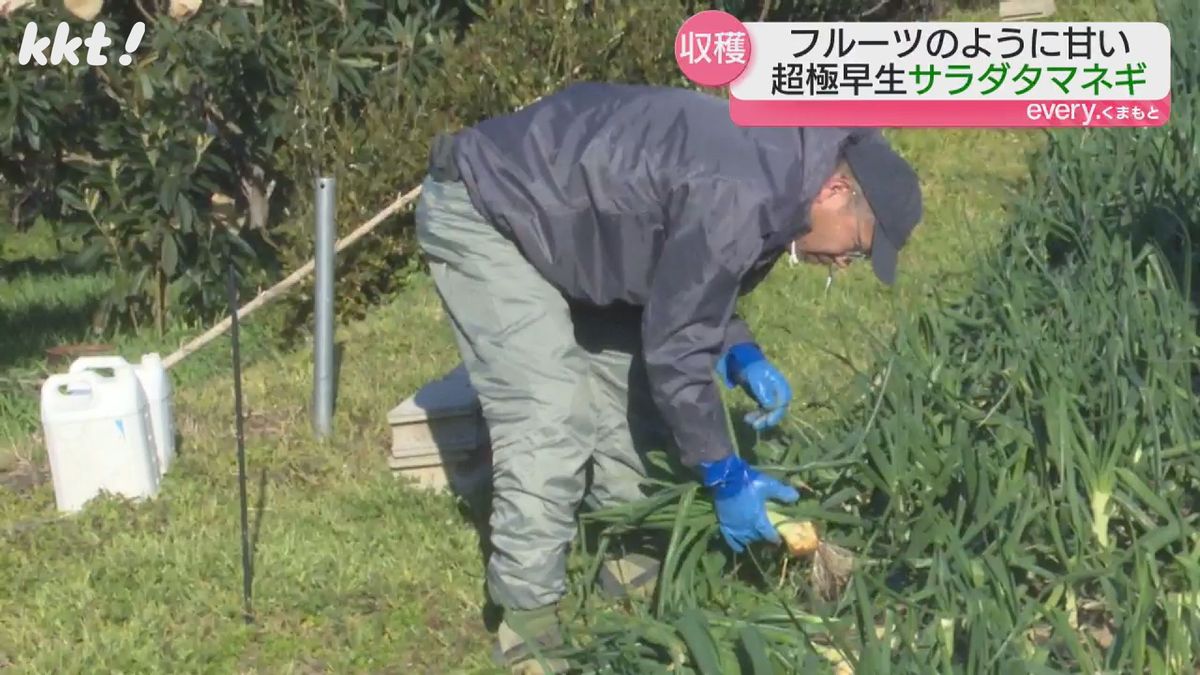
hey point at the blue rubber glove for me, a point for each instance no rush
(744, 365)
(740, 496)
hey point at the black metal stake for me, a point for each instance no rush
(241, 442)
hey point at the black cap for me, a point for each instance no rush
(891, 187)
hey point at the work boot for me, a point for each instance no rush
(522, 627)
(634, 575)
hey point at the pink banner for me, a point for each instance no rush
(949, 113)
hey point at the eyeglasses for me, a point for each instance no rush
(859, 252)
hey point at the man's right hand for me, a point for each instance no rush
(745, 365)
(740, 496)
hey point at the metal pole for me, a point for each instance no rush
(322, 413)
(239, 426)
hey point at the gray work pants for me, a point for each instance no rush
(563, 391)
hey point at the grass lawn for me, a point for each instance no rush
(355, 571)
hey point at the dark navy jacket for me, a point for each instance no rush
(652, 197)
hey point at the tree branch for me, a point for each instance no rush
(878, 6)
(142, 10)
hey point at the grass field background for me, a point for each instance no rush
(353, 570)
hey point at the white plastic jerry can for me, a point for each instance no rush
(98, 437)
(156, 387)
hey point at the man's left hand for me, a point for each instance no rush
(744, 365)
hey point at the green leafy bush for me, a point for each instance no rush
(191, 156)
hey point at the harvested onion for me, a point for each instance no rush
(800, 536)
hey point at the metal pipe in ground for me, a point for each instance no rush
(323, 311)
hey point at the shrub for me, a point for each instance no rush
(167, 168)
